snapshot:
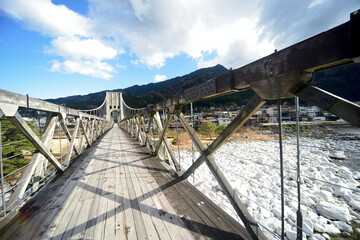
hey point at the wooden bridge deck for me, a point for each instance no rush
(116, 190)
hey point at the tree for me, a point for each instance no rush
(233, 105)
(207, 127)
(220, 129)
(14, 143)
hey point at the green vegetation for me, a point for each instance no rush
(10, 134)
(208, 128)
(219, 129)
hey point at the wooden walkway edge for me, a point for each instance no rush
(117, 190)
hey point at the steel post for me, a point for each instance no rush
(298, 213)
(2, 177)
(281, 172)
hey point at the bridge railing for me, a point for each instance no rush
(283, 74)
(39, 139)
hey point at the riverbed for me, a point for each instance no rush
(330, 195)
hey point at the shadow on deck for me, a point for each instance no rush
(116, 190)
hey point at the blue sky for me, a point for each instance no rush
(51, 49)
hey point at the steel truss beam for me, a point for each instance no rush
(167, 123)
(329, 102)
(35, 162)
(67, 133)
(166, 142)
(11, 113)
(253, 105)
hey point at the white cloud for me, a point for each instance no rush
(288, 22)
(239, 31)
(153, 31)
(49, 19)
(121, 66)
(76, 48)
(158, 30)
(92, 68)
(160, 78)
(74, 39)
(316, 2)
(141, 8)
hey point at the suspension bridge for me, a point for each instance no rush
(102, 174)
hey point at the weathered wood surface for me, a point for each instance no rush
(116, 190)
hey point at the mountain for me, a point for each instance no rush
(156, 87)
(343, 81)
(141, 96)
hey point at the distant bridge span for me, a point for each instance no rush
(117, 189)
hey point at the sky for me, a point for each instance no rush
(51, 49)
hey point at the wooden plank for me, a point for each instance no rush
(206, 213)
(94, 212)
(153, 161)
(134, 203)
(87, 200)
(67, 197)
(130, 228)
(66, 218)
(109, 189)
(42, 209)
(120, 224)
(144, 229)
(166, 210)
(150, 205)
(192, 197)
(157, 205)
(91, 198)
(193, 218)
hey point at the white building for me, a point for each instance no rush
(224, 121)
(233, 114)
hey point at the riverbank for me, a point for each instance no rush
(330, 196)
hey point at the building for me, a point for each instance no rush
(224, 121)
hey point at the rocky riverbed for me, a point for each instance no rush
(330, 193)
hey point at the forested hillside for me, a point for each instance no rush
(343, 81)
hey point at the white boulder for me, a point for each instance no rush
(333, 211)
(327, 188)
(308, 226)
(319, 228)
(355, 204)
(276, 212)
(331, 229)
(343, 226)
(337, 155)
(326, 196)
(291, 234)
(326, 236)
(317, 237)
